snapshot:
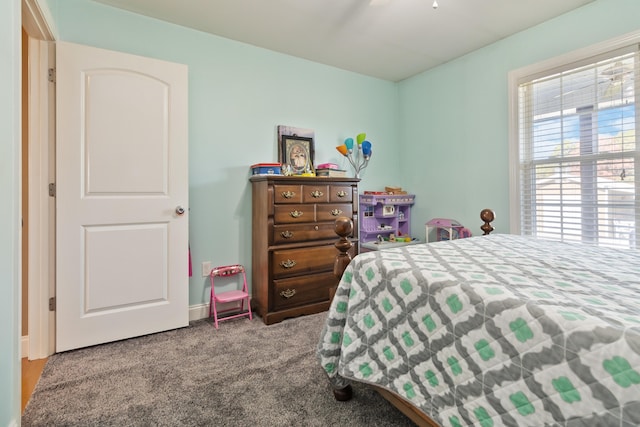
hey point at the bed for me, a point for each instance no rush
(490, 330)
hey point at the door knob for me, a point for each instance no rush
(179, 210)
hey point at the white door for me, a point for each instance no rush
(121, 196)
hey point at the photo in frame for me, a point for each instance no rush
(295, 132)
(296, 153)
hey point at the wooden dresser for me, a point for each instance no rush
(293, 242)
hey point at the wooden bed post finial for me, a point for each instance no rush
(487, 216)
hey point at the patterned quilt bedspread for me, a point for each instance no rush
(493, 330)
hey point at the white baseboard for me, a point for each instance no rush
(197, 312)
(24, 346)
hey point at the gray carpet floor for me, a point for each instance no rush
(244, 374)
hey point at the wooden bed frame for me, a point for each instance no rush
(344, 228)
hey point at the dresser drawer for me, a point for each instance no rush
(330, 212)
(340, 194)
(295, 233)
(291, 214)
(288, 262)
(315, 193)
(298, 291)
(287, 193)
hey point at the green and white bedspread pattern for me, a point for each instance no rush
(493, 330)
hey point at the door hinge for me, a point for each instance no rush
(52, 304)
(52, 189)
(52, 75)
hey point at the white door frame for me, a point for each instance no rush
(41, 148)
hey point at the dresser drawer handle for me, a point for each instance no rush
(288, 263)
(288, 293)
(296, 214)
(286, 234)
(336, 212)
(288, 194)
(317, 194)
(341, 194)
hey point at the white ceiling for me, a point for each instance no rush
(388, 39)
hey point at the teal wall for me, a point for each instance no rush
(238, 95)
(10, 213)
(454, 118)
(442, 135)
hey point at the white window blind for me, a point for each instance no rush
(578, 151)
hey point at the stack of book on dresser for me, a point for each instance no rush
(330, 169)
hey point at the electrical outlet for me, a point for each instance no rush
(206, 268)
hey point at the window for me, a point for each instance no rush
(576, 150)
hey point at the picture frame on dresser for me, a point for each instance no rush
(297, 152)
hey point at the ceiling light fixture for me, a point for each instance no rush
(435, 4)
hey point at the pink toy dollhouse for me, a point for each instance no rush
(445, 229)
